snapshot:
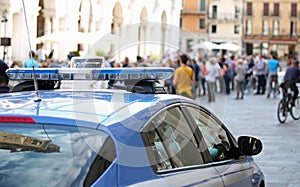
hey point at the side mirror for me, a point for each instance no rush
(249, 145)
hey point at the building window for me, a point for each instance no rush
(276, 9)
(266, 9)
(275, 28)
(249, 8)
(248, 27)
(294, 10)
(293, 29)
(214, 29)
(265, 27)
(214, 11)
(189, 43)
(202, 5)
(202, 23)
(236, 29)
(180, 22)
(249, 49)
(236, 12)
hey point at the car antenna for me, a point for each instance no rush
(37, 97)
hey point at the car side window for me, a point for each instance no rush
(215, 137)
(173, 144)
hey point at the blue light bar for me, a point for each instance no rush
(91, 73)
(27, 74)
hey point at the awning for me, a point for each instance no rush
(62, 37)
(251, 41)
(207, 45)
(229, 46)
(283, 42)
(258, 41)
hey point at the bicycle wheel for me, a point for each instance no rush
(295, 110)
(275, 91)
(273, 88)
(282, 111)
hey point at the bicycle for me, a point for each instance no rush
(285, 107)
(273, 86)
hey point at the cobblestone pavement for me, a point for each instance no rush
(256, 115)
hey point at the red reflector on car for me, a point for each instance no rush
(16, 119)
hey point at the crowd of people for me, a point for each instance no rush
(226, 73)
(201, 76)
(194, 76)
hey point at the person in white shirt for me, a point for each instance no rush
(42, 53)
(212, 72)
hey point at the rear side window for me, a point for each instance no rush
(215, 137)
(171, 143)
(49, 155)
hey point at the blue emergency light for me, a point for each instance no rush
(149, 73)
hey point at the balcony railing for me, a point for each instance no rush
(193, 11)
(257, 31)
(225, 16)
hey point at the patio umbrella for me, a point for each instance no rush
(206, 45)
(229, 46)
(96, 36)
(61, 37)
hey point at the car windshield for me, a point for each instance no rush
(87, 62)
(50, 155)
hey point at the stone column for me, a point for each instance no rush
(92, 24)
(117, 23)
(47, 31)
(143, 39)
(148, 39)
(55, 24)
(47, 25)
(155, 29)
(163, 37)
(58, 53)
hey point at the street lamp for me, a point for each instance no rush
(4, 16)
(4, 41)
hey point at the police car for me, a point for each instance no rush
(133, 134)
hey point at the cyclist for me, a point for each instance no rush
(273, 66)
(291, 77)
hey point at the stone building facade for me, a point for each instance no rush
(226, 21)
(118, 28)
(194, 23)
(272, 26)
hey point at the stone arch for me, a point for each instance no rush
(85, 10)
(47, 10)
(116, 24)
(41, 20)
(117, 20)
(144, 15)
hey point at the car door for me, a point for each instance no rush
(174, 152)
(232, 165)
